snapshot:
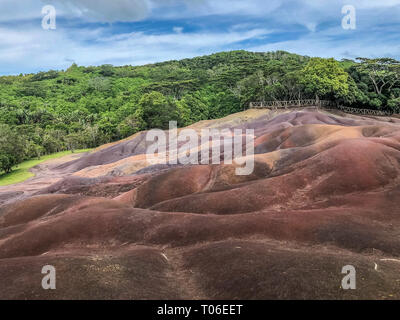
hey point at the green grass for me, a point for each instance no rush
(21, 172)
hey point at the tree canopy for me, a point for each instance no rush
(326, 79)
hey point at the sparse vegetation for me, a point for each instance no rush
(21, 172)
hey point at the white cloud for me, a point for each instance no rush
(337, 43)
(24, 46)
(178, 29)
(90, 10)
(306, 12)
(105, 10)
(11, 10)
(35, 49)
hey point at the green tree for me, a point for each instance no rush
(100, 84)
(394, 104)
(130, 125)
(34, 89)
(157, 111)
(326, 79)
(33, 150)
(73, 141)
(192, 109)
(51, 143)
(384, 73)
(107, 70)
(12, 148)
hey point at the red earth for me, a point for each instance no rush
(325, 193)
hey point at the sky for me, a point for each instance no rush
(136, 32)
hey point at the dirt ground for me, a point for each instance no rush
(324, 194)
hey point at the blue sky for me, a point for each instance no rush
(120, 32)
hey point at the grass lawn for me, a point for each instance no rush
(21, 172)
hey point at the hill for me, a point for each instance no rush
(324, 194)
(84, 107)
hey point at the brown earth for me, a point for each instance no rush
(324, 194)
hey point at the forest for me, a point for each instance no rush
(84, 107)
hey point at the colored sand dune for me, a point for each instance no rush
(324, 194)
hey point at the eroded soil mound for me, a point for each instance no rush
(324, 194)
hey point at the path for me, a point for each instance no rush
(45, 175)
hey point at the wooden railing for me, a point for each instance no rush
(365, 111)
(290, 104)
(315, 103)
